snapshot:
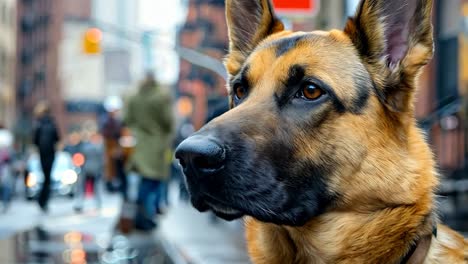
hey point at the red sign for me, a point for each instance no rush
(296, 7)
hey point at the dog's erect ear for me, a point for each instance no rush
(249, 22)
(394, 39)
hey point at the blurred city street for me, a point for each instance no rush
(184, 235)
(97, 95)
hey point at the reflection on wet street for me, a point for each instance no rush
(40, 245)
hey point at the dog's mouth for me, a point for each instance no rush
(219, 208)
(227, 213)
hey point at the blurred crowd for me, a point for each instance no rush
(127, 151)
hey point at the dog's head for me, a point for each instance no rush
(316, 117)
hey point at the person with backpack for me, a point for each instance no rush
(45, 138)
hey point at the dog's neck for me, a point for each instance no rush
(378, 227)
(339, 236)
(386, 236)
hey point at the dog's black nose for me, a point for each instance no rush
(201, 155)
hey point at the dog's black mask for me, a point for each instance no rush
(251, 168)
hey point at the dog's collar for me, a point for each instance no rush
(419, 249)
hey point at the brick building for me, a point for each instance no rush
(38, 35)
(204, 31)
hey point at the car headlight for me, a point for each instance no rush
(69, 177)
(31, 180)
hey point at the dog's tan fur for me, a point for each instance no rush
(386, 179)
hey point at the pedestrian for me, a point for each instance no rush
(111, 129)
(74, 143)
(149, 116)
(126, 144)
(6, 177)
(45, 138)
(93, 151)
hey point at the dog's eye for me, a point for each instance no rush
(310, 91)
(240, 91)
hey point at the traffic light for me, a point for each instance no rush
(92, 41)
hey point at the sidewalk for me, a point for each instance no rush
(200, 240)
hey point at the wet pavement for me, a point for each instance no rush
(44, 246)
(200, 238)
(64, 236)
(28, 236)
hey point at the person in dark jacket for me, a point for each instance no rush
(45, 138)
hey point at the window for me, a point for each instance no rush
(12, 17)
(3, 65)
(3, 14)
(7, 15)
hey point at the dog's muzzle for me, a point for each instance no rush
(234, 176)
(203, 160)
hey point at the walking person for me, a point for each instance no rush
(149, 116)
(45, 138)
(6, 160)
(93, 151)
(111, 129)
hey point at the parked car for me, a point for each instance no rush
(64, 176)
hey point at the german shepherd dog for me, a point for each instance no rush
(320, 150)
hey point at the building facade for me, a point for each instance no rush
(134, 40)
(7, 61)
(121, 50)
(81, 75)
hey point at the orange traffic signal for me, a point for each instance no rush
(92, 41)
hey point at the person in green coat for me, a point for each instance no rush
(149, 116)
